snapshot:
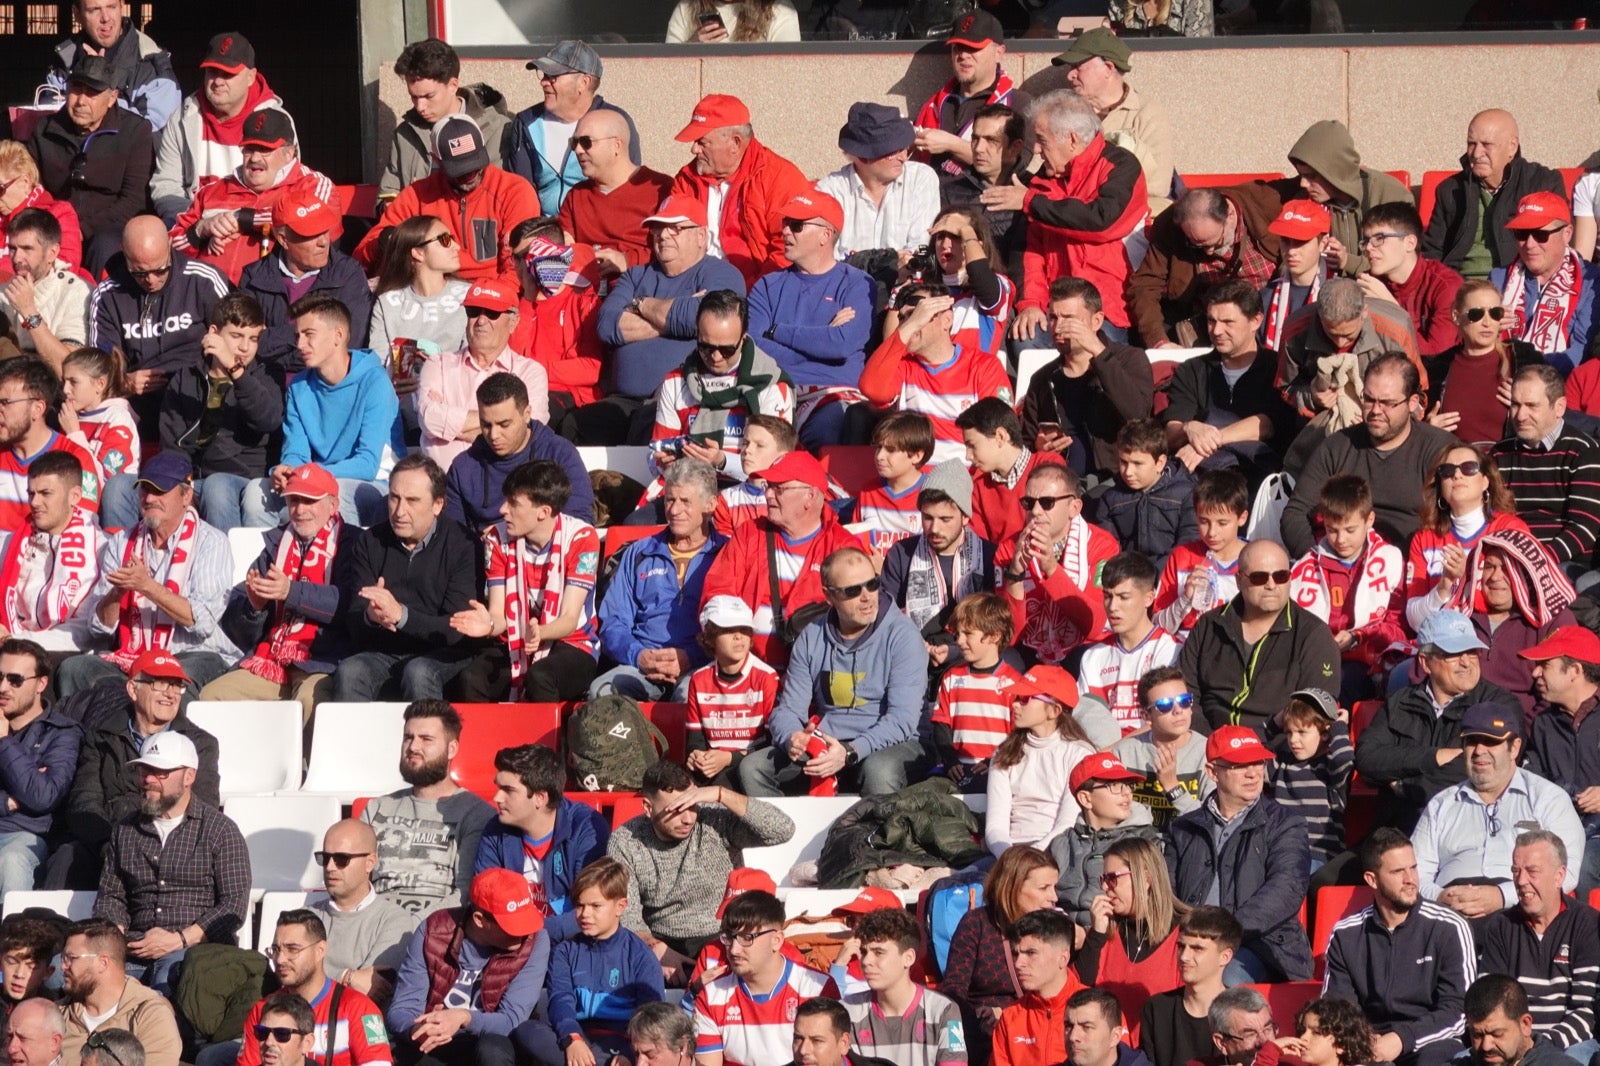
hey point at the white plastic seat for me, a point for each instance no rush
(259, 742)
(281, 832)
(275, 903)
(813, 816)
(633, 461)
(1174, 355)
(246, 545)
(1029, 362)
(355, 750)
(74, 905)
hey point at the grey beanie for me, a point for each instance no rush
(952, 478)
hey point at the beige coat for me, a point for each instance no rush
(143, 1013)
(1141, 126)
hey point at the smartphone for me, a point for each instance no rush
(712, 18)
(1050, 429)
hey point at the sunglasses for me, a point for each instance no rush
(282, 1034)
(1539, 236)
(796, 225)
(1470, 468)
(445, 240)
(725, 351)
(18, 680)
(1168, 704)
(586, 142)
(850, 592)
(484, 312)
(1109, 879)
(153, 272)
(1046, 502)
(1476, 314)
(341, 859)
(97, 1042)
(1261, 577)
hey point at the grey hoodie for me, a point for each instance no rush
(1080, 855)
(411, 152)
(1328, 149)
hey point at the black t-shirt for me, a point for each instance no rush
(1169, 1035)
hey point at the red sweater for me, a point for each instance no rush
(997, 509)
(749, 226)
(1426, 297)
(615, 219)
(255, 239)
(1057, 614)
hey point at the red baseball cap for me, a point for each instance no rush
(1538, 209)
(1051, 682)
(311, 482)
(158, 662)
(304, 214)
(1102, 766)
(870, 899)
(713, 113)
(1301, 220)
(809, 205)
(796, 466)
(1575, 642)
(491, 296)
(503, 895)
(678, 210)
(744, 879)
(1236, 744)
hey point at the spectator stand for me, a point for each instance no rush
(259, 742)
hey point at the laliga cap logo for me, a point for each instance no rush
(1295, 216)
(1235, 743)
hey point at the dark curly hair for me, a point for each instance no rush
(1435, 513)
(1344, 1022)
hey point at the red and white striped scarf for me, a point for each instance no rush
(142, 626)
(289, 640)
(70, 580)
(932, 114)
(1538, 586)
(527, 578)
(1279, 311)
(1547, 327)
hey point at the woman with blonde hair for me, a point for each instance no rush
(721, 21)
(1131, 949)
(20, 190)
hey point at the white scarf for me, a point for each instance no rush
(926, 590)
(75, 559)
(1373, 578)
(142, 626)
(1548, 325)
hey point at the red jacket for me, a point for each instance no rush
(561, 332)
(1057, 614)
(1076, 225)
(481, 221)
(255, 238)
(71, 231)
(751, 219)
(1427, 297)
(1033, 1031)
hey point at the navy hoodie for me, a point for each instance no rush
(579, 837)
(472, 493)
(595, 985)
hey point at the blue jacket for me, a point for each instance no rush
(638, 368)
(472, 485)
(351, 429)
(1153, 521)
(525, 155)
(789, 316)
(341, 278)
(1582, 316)
(595, 985)
(644, 606)
(36, 770)
(578, 839)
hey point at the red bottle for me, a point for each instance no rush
(817, 745)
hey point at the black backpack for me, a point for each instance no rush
(610, 744)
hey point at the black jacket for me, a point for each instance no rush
(322, 604)
(1198, 389)
(1397, 752)
(103, 789)
(1456, 205)
(1121, 387)
(341, 278)
(432, 584)
(1154, 521)
(1410, 981)
(159, 330)
(247, 428)
(112, 183)
(1238, 683)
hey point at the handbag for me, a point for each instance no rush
(27, 118)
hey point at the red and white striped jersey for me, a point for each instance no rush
(976, 707)
(675, 410)
(893, 516)
(1113, 674)
(738, 504)
(731, 714)
(943, 392)
(575, 548)
(1168, 608)
(974, 330)
(751, 1030)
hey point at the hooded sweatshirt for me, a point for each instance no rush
(1080, 855)
(411, 153)
(352, 429)
(197, 145)
(1328, 149)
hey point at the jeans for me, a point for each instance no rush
(224, 1054)
(1583, 1052)
(220, 499)
(119, 503)
(1248, 968)
(20, 854)
(770, 772)
(82, 671)
(363, 676)
(630, 681)
(157, 974)
(362, 503)
(838, 423)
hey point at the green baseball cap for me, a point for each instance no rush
(1096, 44)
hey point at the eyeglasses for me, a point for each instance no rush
(1377, 238)
(1470, 468)
(1387, 405)
(1475, 314)
(69, 960)
(745, 939)
(1266, 1032)
(18, 680)
(586, 142)
(1109, 879)
(484, 312)
(282, 1034)
(153, 272)
(160, 684)
(1115, 788)
(97, 1041)
(78, 174)
(1168, 704)
(1047, 503)
(5, 186)
(1492, 813)
(1538, 236)
(18, 399)
(850, 592)
(670, 229)
(773, 490)
(341, 859)
(796, 225)
(445, 239)
(1259, 578)
(725, 351)
(274, 950)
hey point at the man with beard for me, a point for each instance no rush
(427, 834)
(1417, 1018)
(28, 388)
(1500, 1026)
(48, 566)
(367, 934)
(100, 996)
(176, 871)
(38, 753)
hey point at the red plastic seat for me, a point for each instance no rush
(1286, 999)
(619, 537)
(1570, 176)
(1334, 902)
(357, 201)
(672, 719)
(629, 805)
(1430, 191)
(1212, 181)
(1361, 716)
(851, 465)
(488, 727)
(1403, 177)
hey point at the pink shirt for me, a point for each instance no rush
(449, 389)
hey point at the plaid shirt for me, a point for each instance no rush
(1246, 262)
(201, 876)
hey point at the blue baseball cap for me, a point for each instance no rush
(165, 471)
(1449, 631)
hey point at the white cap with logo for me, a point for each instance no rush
(167, 750)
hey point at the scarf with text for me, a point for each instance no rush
(527, 581)
(1376, 573)
(141, 625)
(289, 640)
(68, 578)
(927, 593)
(1539, 588)
(1547, 325)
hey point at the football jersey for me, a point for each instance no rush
(975, 331)
(359, 1037)
(676, 409)
(943, 392)
(577, 545)
(738, 504)
(1169, 613)
(14, 510)
(534, 852)
(975, 704)
(1113, 674)
(731, 714)
(929, 1033)
(892, 515)
(751, 1030)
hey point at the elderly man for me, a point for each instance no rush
(45, 301)
(155, 306)
(649, 320)
(608, 207)
(28, 390)
(1412, 749)
(946, 121)
(866, 713)
(1425, 289)
(95, 156)
(447, 394)
(1549, 942)
(34, 1033)
(1244, 662)
(1547, 288)
(1393, 451)
(163, 584)
(1471, 207)
(743, 184)
(183, 882)
(1096, 66)
(1330, 173)
(797, 533)
(650, 616)
(1562, 739)
(478, 201)
(1342, 325)
(118, 1046)
(889, 201)
(659, 1032)
(539, 144)
(146, 84)
(1463, 853)
(102, 998)
(814, 318)
(38, 754)
(1241, 1025)
(367, 933)
(1552, 468)
(49, 564)
(1209, 237)
(230, 222)
(202, 142)
(431, 70)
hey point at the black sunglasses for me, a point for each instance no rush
(1540, 236)
(1261, 577)
(18, 680)
(153, 272)
(97, 1042)
(586, 142)
(1476, 314)
(850, 592)
(726, 351)
(1470, 468)
(280, 1033)
(484, 312)
(1047, 502)
(341, 859)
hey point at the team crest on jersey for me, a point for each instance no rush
(955, 1040)
(791, 1009)
(372, 1026)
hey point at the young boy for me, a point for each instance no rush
(1311, 771)
(1111, 669)
(1302, 229)
(729, 697)
(1150, 505)
(1171, 757)
(902, 443)
(1103, 788)
(1001, 466)
(765, 438)
(972, 712)
(895, 1018)
(598, 977)
(1203, 573)
(27, 946)
(1354, 581)
(1173, 1027)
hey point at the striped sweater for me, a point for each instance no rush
(1316, 789)
(1559, 969)
(1557, 491)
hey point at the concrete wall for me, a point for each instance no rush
(1233, 108)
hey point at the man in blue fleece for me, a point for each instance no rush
(815, 319)
(341, 414)
(861, 670)
(596, 978)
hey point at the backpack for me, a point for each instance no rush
(610, 744)
(941, 908)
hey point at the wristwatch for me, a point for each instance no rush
(1175, 794)
(33, 321)
(851, 755)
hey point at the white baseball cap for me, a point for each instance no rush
(167, 750)
(727, 612)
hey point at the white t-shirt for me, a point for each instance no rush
(165, 826)
(1584, 195)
